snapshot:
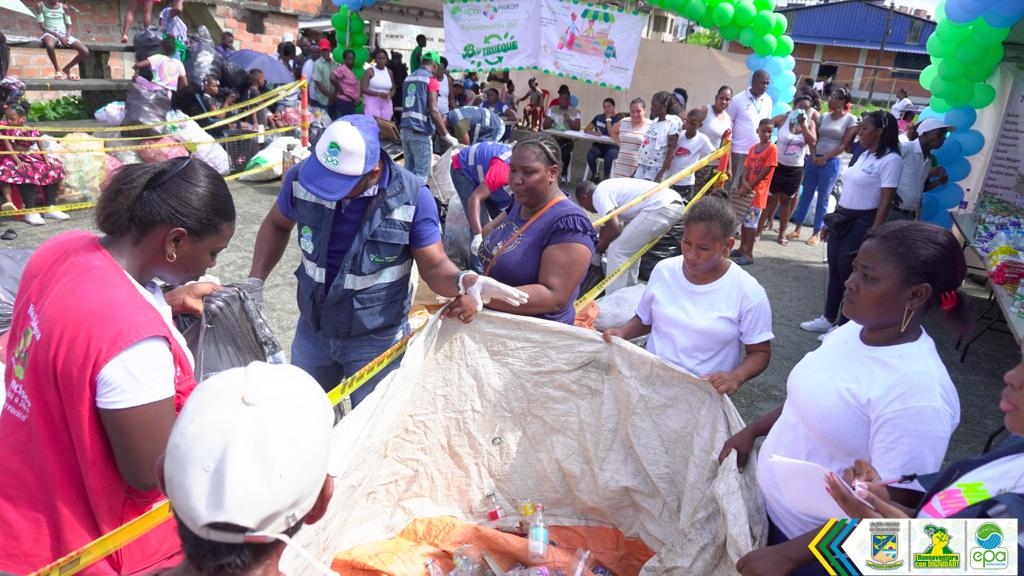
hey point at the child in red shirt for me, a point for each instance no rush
(759, 168)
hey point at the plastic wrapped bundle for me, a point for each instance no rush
(667, 247)
(203, 61)
(147, 43)
(12, 264)
(231, 333)
(145, 107)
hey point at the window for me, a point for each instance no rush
(914, 34)
(659, 23)
(912, 62)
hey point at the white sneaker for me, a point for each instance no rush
(821, 338)
(56, 215)
(34, 219)
(819, 324)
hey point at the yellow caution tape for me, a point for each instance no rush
(689, 170)
(591, 295)
(101, 152)
(109, 543)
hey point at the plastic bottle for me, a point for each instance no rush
(535, 571)
(467, 561)
(433, 569)
(538, 541)
(581, 565)
(494, 512)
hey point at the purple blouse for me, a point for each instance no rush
(519, 265)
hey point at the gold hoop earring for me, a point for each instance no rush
(908, 314)
(172, 258)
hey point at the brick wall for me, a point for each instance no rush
(885, 85)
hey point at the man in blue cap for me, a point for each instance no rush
(362, 222)
(474, 124)
(420, 116)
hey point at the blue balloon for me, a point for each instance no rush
(788, 63)
(963, 11)
(755, 62)
(784, 79)
(930, 207)
(943, 220)
(958, 169)
(962, 118)
(1004, 14)
(971, 141)
(948, 153)
(780, 108)
(948, 196)
(773, 65)
(773, 92)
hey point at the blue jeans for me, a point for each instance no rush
(820, 179)
(609, 153)
(418, 150)
(330, 360)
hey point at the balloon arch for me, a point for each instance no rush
(965, 50)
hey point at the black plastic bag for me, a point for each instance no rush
(233, 77)
(667, 247)
(231, 333)
(147, 43)
(203, 61)
(12, 264)
(147, 107)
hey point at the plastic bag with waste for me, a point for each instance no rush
(456, 233)
(667, 247)
(231, 333)
(85, 167)
(206, 148)
(203, 61)
(145, 107)
(147, 43)
(272, 155)
(111, 115)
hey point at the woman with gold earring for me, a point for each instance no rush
(876, 389)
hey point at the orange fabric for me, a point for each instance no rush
(587, 317)
(757, 161)
(437, 538)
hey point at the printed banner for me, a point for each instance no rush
(587, 42)
(488, 35)
(918, 546)
(1005, 178)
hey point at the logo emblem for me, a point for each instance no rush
(306, 239)
(989, 555)
(937, 554)
(334, 149)
(330, 156)
(885, 550)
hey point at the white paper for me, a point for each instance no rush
(803, 487)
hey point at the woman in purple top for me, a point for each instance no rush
(543, 243)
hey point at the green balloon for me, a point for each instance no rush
(784, 47)
(712, 4)
(970, 52)
(362, 56)
(730, 32)
(695, 10)
(339, 53)
(936, 47)
(359, 72)
(339, 22)
(988, 35)
(747, 37)
(357, 39)
(779, 25)
(744, 13)
(979, 72)
(983, 95)
(765, 45)
(939, 105)
(356, 25)
(940, 12)
(959, 93)
(950, 33)
(951, 69)
(928, 76)
(768, 5)
(763, 22)
(722, 15)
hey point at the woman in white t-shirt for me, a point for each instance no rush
(378, 86)
(869, 187)
(716, 117)
(702, 312)
(796, 132)
(875, 389)
(661, 138)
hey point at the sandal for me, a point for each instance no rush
(812, 241)
(9, 234)
(73, 77)
(793, 236)
(124, 39)
(783, 242)
(60, 76)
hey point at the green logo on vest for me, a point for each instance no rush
(306, 239)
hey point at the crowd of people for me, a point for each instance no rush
(116, 422)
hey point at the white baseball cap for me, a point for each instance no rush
(347, 150)
(929, 124)
(250, 448)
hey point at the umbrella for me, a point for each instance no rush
(273, 70)
(600, 15)
(16, 6)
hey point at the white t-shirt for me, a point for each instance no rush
(307, 69)
(863, 182)
(655, 144)
(792, 147)
(557, 116)
(894, 406)
(688, 151)
(746, 112)
(615, 192)
(714, 127)
(143, 372)
(915, 172)
(900, 107)
(984, 482)
(703, 328)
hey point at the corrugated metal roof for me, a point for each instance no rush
(857, 24)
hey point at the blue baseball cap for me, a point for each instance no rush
(347, 150)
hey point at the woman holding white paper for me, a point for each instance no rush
(876, 388)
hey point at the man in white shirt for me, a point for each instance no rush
(626, 233)
(564, 116)
(747, 109)
(307, 66)
(903, 103)
(918, 176)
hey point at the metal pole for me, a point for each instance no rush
(881, 49)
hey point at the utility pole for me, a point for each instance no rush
(881, 50)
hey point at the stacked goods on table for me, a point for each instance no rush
(999, 236)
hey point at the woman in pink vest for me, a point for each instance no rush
(96, 372)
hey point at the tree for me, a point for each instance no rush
(708, 38)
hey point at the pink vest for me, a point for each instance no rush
(60, 489)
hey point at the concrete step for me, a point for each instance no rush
(84, 85)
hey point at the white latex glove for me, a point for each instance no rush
(451, 140)
(254, 288)
(485, 288)
(474, 246)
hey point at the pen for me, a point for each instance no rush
(904, 479)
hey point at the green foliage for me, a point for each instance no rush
(63, 108)
(709, 38)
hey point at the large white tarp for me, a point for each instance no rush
(601, 434)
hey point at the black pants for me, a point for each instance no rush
(30, 194)
(842, 249)
(565, 145)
